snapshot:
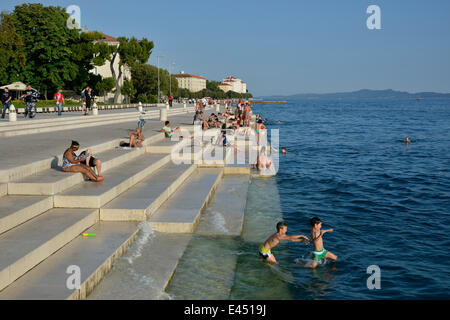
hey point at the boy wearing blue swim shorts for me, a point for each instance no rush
(316, 237)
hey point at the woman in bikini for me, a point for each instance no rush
(259, 128)
(71, 163)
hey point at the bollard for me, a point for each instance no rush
(167, 106)
(163, 115)
(95, 109)
(12, 113)
(140, 107)
(217, 107)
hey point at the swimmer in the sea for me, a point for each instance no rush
(407, 140)
(274, 240)
(283, 151)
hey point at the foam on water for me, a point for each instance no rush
(145, 235)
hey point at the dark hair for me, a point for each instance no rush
(314, 221)
(281, 225)
(75, 144)
(167, 122)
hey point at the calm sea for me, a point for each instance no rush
(388, 203)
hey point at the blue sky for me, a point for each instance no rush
(287, 47)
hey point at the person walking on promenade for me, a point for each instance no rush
(83, 100)
(170, 101)
(88, 98)
(59, 98)
(6, 101)
(30, 97)
(72, 163)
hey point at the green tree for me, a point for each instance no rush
(212, 85)
(145, 80)
(56, 56)
(12, 55)
(105, 86)
(128, 90)
(130, 52)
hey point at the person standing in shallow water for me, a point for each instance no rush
(274, 240)
(316, 237)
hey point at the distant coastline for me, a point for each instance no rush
(361, 94)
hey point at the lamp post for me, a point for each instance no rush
(170, 78)
(158, 76)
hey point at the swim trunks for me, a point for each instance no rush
(264, 252)
(319, 255)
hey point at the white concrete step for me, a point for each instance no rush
(15, 210)
(93, 255)
(156, 263)
(69, 121)
(89, 122)
(25, 246)
(181, 213)
(118, 180)
(53, 181)
(143, 199)
(225, 213)
(3, 189)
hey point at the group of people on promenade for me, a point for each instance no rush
(32, 96)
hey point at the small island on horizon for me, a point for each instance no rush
(360, 94)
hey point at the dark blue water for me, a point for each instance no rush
(388, 203)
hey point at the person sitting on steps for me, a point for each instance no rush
(72, 163)
(136, 138)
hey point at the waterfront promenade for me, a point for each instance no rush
(43, 211)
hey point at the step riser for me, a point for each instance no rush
(3, 190)
(61, 201)
(178, 227)
(23, 265)
(21, 216)
(142, 215)
(43, 189)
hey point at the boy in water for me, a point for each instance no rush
(274, 240)
(316, 237)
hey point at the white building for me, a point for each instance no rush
(233, 84)
(105, 70)
(191, 82)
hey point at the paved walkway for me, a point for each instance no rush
(65, 115)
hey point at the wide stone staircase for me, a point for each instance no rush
(44, 213)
